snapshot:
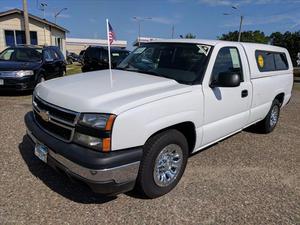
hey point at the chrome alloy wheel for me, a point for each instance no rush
(168, 165)
(274, 116)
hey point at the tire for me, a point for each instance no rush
(62, 73)
(269, 123)
(168, 143)
(83, 69)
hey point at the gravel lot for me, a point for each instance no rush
(246, 179)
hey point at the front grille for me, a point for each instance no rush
(55, 130)
(62, 114)
(55, 120)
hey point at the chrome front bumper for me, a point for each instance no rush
(120, 174)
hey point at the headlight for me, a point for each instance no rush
(94, 131)
(98, 121)
(89, 141)
(23, 73)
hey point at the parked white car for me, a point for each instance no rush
(167, 100)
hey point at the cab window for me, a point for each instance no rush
(228, 61)
(48, 55)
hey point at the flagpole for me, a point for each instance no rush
(109, 57)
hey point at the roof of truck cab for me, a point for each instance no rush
(215, 42)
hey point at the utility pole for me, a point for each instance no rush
(240, 30)
(173, 31)
(139, 20)
(241, 20)
(43, 8)
(26, 22)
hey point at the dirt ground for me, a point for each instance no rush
(246, 179)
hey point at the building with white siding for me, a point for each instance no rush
(78, 44)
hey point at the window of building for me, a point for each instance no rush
(20, 37)
(9, 37)
(33, 38)
(17, 37)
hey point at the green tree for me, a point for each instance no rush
(246, 36)
(288, 40)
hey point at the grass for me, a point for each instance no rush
(73, 69)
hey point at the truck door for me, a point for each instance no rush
(226, 109)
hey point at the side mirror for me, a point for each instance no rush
(226, 79)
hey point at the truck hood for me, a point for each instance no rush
(94, 91)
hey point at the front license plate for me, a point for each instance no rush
(41, 151)
(1, 82)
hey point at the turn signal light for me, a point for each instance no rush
(106, 144)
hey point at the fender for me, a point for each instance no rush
(135, 126)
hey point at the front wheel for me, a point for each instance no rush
(163, 164)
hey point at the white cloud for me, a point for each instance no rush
(176, 1)
(92, 20)
(245, 2)
(51, 15)
(8, 8)
(163, 20)
(64, 15)
(264, 20)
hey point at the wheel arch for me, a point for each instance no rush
(187, 128)
(280, 97)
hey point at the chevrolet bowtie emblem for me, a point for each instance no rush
(45, 115)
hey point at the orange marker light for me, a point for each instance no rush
(110, 122)
(106, 145)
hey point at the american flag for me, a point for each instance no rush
(111, 34)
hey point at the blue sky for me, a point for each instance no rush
(204, 18)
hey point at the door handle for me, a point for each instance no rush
(244, 93)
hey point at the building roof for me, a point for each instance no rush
(100, 42)
(144, 40)
(212, 42)
(19, 11)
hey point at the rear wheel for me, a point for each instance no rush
(164, 161)
(70, 61)
(269, 123)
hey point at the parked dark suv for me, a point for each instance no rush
(23, 67)
(96, 58)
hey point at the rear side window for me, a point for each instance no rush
(281, 62)
(93, 53)
(268, 61)
(228, 61)
(54, 55)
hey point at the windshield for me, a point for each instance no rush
(22, 54)
(182, 62)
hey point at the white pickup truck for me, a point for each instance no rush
(165, 101)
